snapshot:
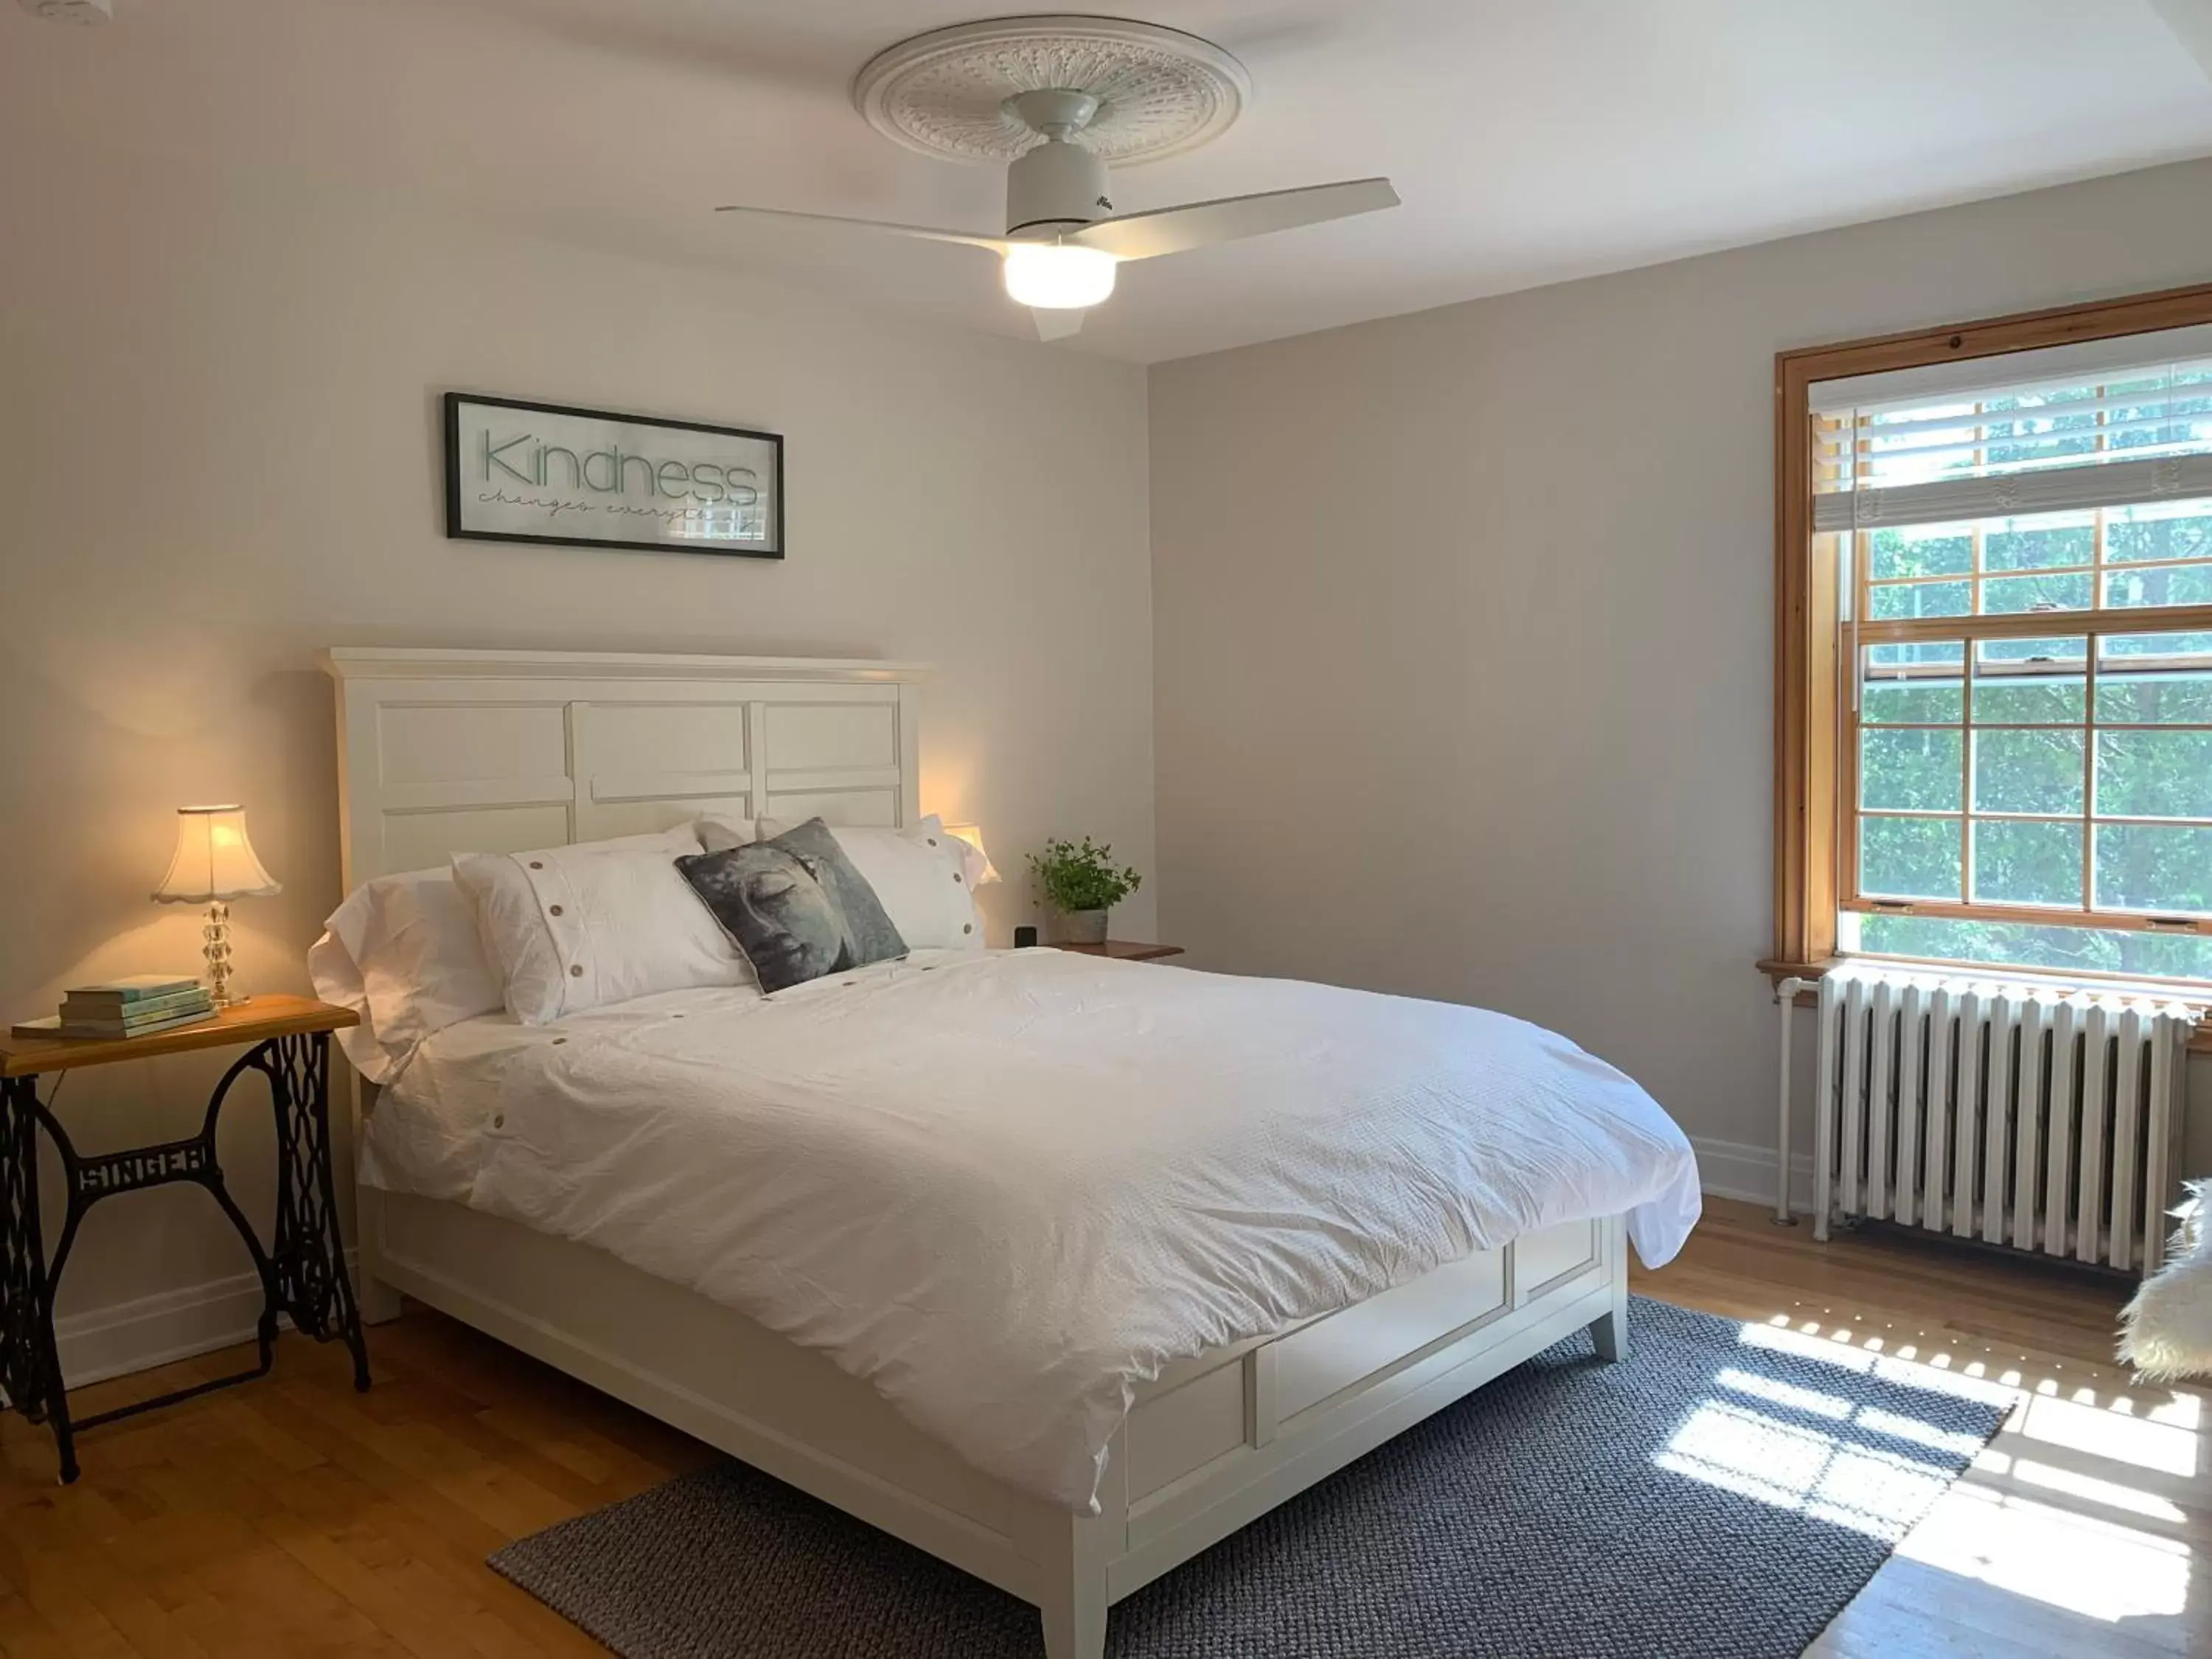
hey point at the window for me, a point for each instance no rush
(1993, 734)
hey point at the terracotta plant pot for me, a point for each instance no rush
(1083, 927)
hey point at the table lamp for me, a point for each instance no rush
(214, 865)
(973, 837)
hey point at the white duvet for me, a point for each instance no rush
(1006, 1189)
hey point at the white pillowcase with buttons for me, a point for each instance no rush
(923, 878)
(574, 927)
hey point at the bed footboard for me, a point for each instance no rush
(1214, 1444)
(1219, 1441)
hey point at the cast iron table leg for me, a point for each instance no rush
(30, 1368)
(308, 1256)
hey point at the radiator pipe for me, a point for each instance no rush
(1785, 994)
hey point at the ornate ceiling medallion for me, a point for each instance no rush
(949, 92)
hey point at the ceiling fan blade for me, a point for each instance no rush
(995, 244)
(1056, 322)
(1172, 230)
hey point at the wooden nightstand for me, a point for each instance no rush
(1122, 950)
(302, 1272)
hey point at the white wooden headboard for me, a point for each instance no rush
(496, 752)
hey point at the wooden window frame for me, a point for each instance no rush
(1812, 818)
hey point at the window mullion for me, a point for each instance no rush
(2097, 539)
(1966, 680)
(2091, 645)
(1969, 675)
(1979, 549)
(2090, 767)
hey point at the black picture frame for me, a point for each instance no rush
(458, 529)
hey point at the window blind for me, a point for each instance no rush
(2106, 424)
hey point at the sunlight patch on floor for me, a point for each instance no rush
(2101, 1569)
(2164, 1440)
(1778, 1393)
(1940, 1371)
(1785, 1444)
(2110, 1494)
(1794, 1469)
(2078, 1504)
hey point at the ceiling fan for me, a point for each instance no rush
(1056, 98)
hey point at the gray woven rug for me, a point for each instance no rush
(1721, 1496)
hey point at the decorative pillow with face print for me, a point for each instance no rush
(794, 905)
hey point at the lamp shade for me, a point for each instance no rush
(214, 859)
(973, 837)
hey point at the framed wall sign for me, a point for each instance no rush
(583, 477)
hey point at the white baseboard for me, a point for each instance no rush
(153, 1330)
(1730, 1169)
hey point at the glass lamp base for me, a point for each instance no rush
(217, 950)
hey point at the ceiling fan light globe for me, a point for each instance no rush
(1053, 277)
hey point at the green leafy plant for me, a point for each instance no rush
(1081, 876)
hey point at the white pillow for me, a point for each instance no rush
(403, 952)
(573, 927)
(923, 878)
(718, 834)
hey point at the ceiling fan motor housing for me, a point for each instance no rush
(1057, 186)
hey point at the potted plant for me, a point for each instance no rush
(1080, 882)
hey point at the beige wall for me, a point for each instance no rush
(1462, 631)
(218, 455)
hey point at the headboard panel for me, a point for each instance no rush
(442, 752)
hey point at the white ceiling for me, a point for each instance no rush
(1532, 140)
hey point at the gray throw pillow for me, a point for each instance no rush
(794, 905)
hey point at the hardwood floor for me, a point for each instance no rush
(293, 1517)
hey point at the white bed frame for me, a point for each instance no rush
(447, 751)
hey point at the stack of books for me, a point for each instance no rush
(138, 1004)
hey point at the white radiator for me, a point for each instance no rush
(2012, 1114)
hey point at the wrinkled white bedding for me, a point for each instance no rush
(1005, 1189)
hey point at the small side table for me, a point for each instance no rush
(302, 1272)
(1122, 950)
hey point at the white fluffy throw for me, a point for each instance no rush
(2166, 1333)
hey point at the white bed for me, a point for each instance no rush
(1204, 1383)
